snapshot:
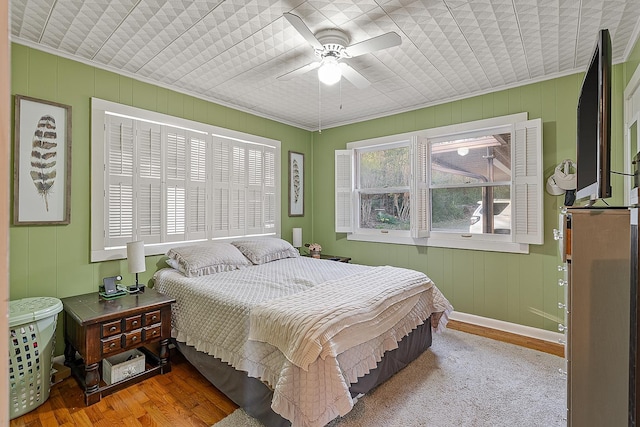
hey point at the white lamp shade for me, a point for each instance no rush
(135, 256)
(297, 237)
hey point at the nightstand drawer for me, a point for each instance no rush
(111, 328)
(152, 332)
(132, 338)
(152, 318)
(133, 322)
(111, 345)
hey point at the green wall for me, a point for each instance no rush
(54, 260)
(632, 62)
(516, 288)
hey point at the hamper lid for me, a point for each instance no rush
(31, 309)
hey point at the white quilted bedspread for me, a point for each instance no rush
(212, 314)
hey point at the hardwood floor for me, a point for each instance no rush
(179, 398)
(183, 397)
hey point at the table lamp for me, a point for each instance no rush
(135, 258)
(297, 238)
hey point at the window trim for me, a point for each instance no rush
(497, 243)
(99, 109)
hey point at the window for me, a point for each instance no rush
(475, 186)
(383, 188)
(471, 176)
(167, 180)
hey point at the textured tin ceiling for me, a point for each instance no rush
(231, 52)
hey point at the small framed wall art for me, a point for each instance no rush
(42, 162)
(296, 184)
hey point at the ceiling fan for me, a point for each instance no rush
(331, 46)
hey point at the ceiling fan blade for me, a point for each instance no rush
(304, 31)
(357, 79)
(383, 41)
(299, 71)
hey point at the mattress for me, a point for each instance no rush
(212, 314)
(255, 397)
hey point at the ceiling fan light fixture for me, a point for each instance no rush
(329, 72)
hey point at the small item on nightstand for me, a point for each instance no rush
(109, 284)
(314, 249)
(110, 289)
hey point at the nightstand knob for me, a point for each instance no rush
(154, 333)
(134, 338)
(154, 317)
(112, 329)
(112, 345)
(134, 323)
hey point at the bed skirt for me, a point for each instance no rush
(255, 397)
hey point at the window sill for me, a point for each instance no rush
(479, 244)
(120, 252)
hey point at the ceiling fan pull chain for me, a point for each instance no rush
(340, 93)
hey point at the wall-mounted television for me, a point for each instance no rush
(594, 125)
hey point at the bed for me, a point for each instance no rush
(295, 340)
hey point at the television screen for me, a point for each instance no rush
(594, 125)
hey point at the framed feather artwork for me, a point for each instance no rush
(296, 184)
(42, 162)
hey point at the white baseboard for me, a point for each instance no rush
(513, 328)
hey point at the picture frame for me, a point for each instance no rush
(42, 162)
(296, 184)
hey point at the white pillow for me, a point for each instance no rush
(260, 251)
(207, 258)
(173, 263)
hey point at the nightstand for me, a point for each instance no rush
(97, 328)
(331, 257)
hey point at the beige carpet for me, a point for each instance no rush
(463, 380)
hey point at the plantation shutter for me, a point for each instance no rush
(270, 199)
(175, 184)
(148, 197)
(344, 191)
(221, 186)
(165, 180)
(197, 187)
(420, 188)
(119, 170)
(238, 189)
(255, 175)
(527, 194)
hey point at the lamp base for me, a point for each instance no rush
(136, 289)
